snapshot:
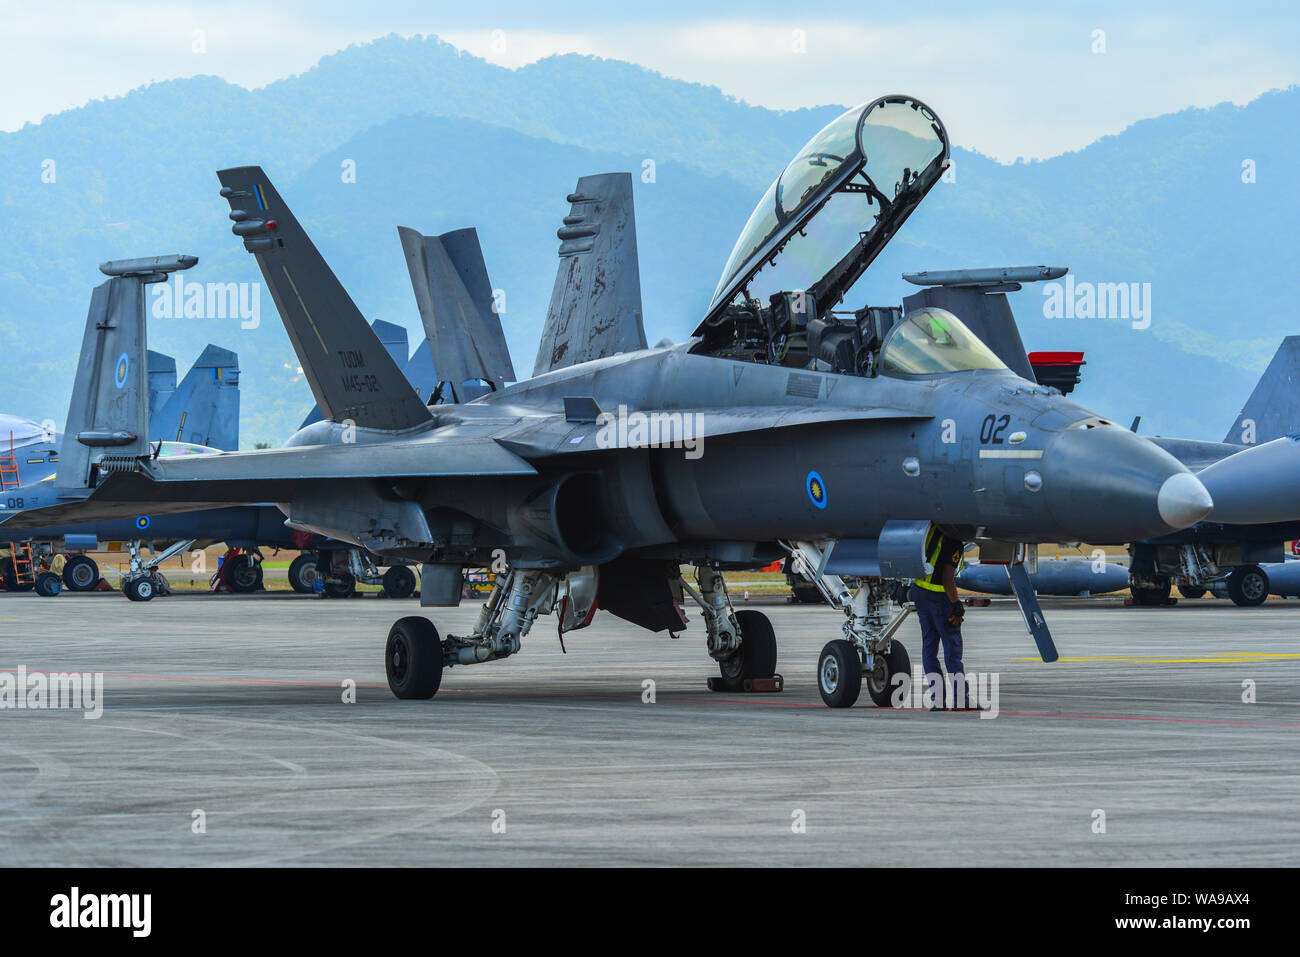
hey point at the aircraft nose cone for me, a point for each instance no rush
(1109, 486)
(1183, 500)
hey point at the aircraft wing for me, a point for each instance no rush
(206, 481)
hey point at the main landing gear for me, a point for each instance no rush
(142, 581)
(743, 643)
(867, 654)
(415, 654)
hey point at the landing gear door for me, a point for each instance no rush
(577, 598)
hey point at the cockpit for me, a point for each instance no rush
(931, 340)
(780, 299)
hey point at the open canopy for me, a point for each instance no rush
(836, 204)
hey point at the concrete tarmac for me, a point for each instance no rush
(233, 706)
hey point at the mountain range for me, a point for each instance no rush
(1195, 210)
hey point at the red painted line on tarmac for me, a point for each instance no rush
(756, 700)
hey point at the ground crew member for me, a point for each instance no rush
(941, 611)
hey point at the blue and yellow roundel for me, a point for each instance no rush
(123, 367)
(816, 489)
(142, 522)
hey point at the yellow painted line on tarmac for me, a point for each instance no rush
(1226, 658)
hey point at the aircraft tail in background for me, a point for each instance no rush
(162, 382)
(463, 331)
(1273, 409)
(108, 415)
(595, 308)
(351, 374)
(204, 408)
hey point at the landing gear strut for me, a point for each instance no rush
(415, 656)
(743, 643)
(143, 580)
(867, 650)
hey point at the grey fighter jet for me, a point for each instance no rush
(788, 424)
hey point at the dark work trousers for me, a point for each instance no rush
(933, 608)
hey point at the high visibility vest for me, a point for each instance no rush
(935, 542)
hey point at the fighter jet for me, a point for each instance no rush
(1250, 476)
(29, 452)
(1256, 509)
(787, 424)
(204, 406)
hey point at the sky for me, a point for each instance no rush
(1011, 79)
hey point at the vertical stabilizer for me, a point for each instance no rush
(108, 416)
(595, 308)
(1273, 409)
(162, 382)
(204, 409)
(351, 374)
(452, 291)
(394, 339)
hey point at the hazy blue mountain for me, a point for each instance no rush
(442, 140)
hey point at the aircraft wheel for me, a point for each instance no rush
(839, 674)
(48, 585)
(139, 589)
(880, 683)
(1248, 586)
(757, 655)
(1192, 591)
(413, 658)
(1147, 595)
(80, 573)
(301, 572)
(399, 582)
(243, 574)
(342, 585)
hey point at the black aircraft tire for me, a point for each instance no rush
(140, 589)
(48, 585)
(896, 662)
(1192, 591)
(758, 644)
(413, 659)
(343, 587)
(243, 574)
(1248, 586)
(839, 674)
(399, 582)
(1151, 596)
(80, 573)
(301, 572)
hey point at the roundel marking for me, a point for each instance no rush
(122, 368)
(142, 522)
(816, 489)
